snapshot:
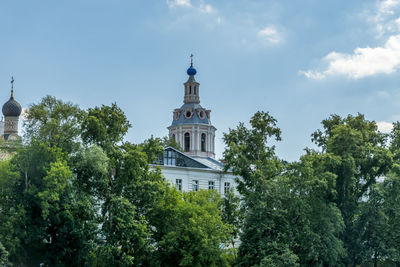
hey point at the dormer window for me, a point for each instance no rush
(188, 113)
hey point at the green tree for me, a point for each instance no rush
(290, 216)
(3, 255)
(10, 213)
(45, 223)
(167, 141)
(55, 122)
(191, 230)
(231, 214)
(127, 239)
(371, 223)
(390, 189)
(105, 126)
(362, 158)
(119, 176)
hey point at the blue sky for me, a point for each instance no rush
(299, 60)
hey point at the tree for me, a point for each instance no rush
(10, 213)
(371, 223)
(290, 216)
(231, 214)
(52, 222)
(3, 255)
(55, 122)
(390, 189)
(190, 230)
(362, 158)
(154, 147)
(104, 126)
(127, 239)
(168, 141)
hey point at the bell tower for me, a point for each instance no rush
(11, 111)
(191, 125)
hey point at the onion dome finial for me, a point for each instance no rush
(12, 108)
(191, 71)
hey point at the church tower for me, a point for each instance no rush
(11, 111)
(191, 125)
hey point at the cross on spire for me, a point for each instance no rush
(191, 60)
(12, 87)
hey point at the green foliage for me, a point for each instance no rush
(127, 238)
(193, 230)
(3, 255)
(167, 141)
(290, 218)
(390, 203)
(153, 147)
(283, 258)
(232, 215)
(105, 126)
(55, 122)
(54, 184)
(361, 158)
(75, 194)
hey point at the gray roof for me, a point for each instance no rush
(210, 162)
(11, 108)
(173, 157)
(194, 119)
(182, 160)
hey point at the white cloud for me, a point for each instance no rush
(368, 61)
(362, 62)
(206, 8)
(384, 126)
(174, 3)
(383, 18)
(269, 34)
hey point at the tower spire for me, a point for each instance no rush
(12, 87)
(191, 60)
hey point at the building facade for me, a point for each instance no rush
(196, 167)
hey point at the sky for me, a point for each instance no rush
(300, 60)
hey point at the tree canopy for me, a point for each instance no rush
(77, 193)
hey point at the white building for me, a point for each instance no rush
(196, 167)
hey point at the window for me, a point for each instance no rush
(227, 187)
(210, 184)
(203, 142)
(201, 115)
(179, 184)
(187, 142)
(195, 185)
(170, 157)
(173, 137)
(194, 90)
(190, 90)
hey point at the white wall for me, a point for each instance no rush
(171, 173)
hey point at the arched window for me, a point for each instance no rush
(173, 137)
(203, 142)
(187, 142)
(190, 89)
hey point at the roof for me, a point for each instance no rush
(194, 119)
(173, 157)
(211, 163)
(12, 108)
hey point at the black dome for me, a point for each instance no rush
(11, 108)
